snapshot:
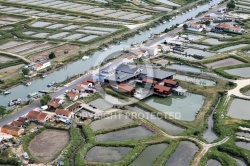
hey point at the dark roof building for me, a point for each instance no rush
(156, 74)
(171, 83)
(126, 89)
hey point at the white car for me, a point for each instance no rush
(43, 108)
(25, 156)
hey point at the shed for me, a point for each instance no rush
(162, 90)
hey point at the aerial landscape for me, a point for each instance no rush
(125, 82)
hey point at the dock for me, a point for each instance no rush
(45, 91)
(180, 91)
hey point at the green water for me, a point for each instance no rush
(181, 107)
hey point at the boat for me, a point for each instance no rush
(28, 84)
(104, 49)
(14, 102)
(6, 92)
(85, 57)
(32, 95)
(43, 76)
(51, 84)
(164, 22)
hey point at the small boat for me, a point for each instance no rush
(14, 102)
(43, 76)
(6, 92)
(104, 49)
(28, 84)
(164, 22)
(85, 57)
(51, 84)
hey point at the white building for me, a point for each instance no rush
(41, 65)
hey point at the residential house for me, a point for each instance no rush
(91, 80)
(65, 114)
(150, 51)
(79, 88)
(12, 130)
(126, 89)
(162, 90)
(196, 27)
(74, 107)
(228, 27)
(170, 83)
(40, 117)
(41, 65)
(129, 59)
(88, 86)
(73, 96)
(55, 103)
(22, 119)
(17, 124)
(140, 54)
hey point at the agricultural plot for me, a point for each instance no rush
(40, 35)
(45, 146)
(74, 36)
(42, 24)
(167, 2)
(88, 38)
(23, 47)
(90, 9)
(59, 51)
(59, 35)
(4, 58)
(5, 20)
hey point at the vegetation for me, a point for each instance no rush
(185, 26)
(231, 5)
(25, 71)
(52, 55)
(44, 100)
(2, 110)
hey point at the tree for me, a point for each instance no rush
(1, 81)
(185, 26)
(207, 23)
(52, 55)
(25, 71)
(44, 100)
(231, 5)
(2, 110)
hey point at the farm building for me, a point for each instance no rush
(126, 89)
(162, 90)
(12, 130)
(61, 113)
(171, 83)
(74, 107)
(37, 116)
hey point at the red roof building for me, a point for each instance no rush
(16, 124)
(37, 116)
(149, 81)
(63, 113)
(127, 89)
(162, 90)
(170, 83)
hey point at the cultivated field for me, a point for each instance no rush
(59, 51)
(45, 146)
(4, 58)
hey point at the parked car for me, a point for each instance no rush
(25, 156)
(43, 108)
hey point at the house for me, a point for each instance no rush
(129, 59)
(228, 27)
(170, 83)
(162, 90)
(196, 27)
(55, 103)
(88, 85)
(22, 119)
(12, 130)
(126, 89)
(37, 116)
(151, 51)
(74, 107)
(91, 80)
(140, 54)
(148, 81)
(79, 88)
(65, 114)
(73, 96)
(41, 65)
(17, 124)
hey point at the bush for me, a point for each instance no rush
(52, 55)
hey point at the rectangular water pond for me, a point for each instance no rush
(213, 41)
(192, 51)
(181, 107)
(242, 72)
(232, 47)
(149, 155)
(167, 126)
(127, 134)
(113, 121)
(106, 154)
(224, 62)
(244, 145)
(197, 81)
(183, 155)
(240, 109)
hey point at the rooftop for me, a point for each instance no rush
(32, 114)
(168, 81)
(63, 112)
(156, 73)
(148, 80)
(161, 88)
(73, 106)
(16, 123)
(125, 87)
(10, 127)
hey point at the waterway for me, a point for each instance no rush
(81, 66)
